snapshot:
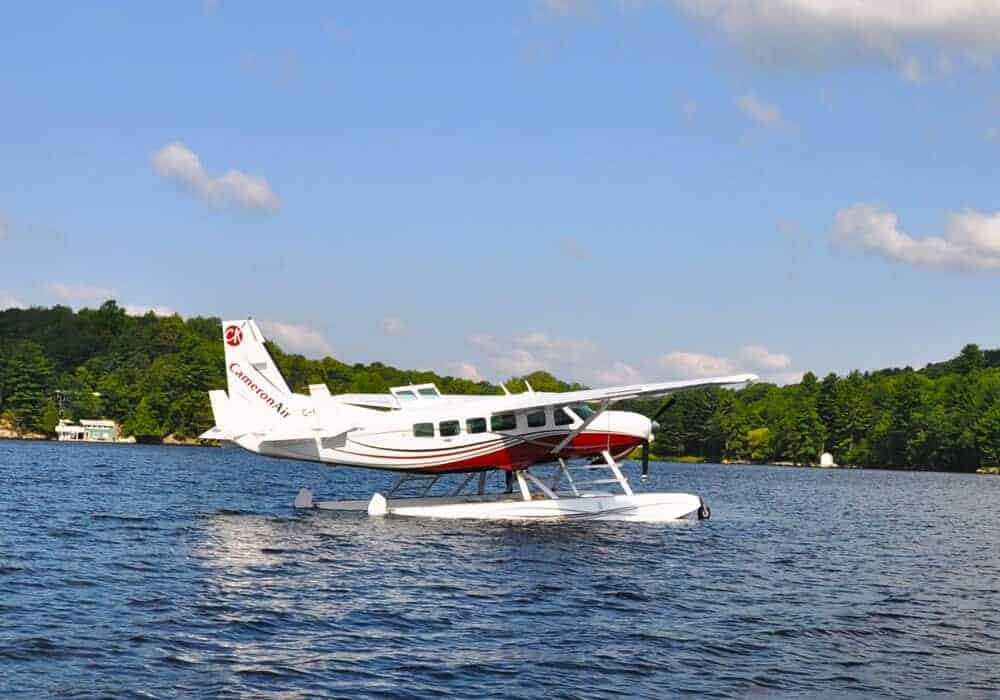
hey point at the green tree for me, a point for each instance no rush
(759, 442)
(988, 436)
(144, 423)
(50, 418)
(970, 359)
(803, 433)
(25, 385)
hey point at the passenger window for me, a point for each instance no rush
(475, 425)
(423, 430)
(561, 417)
(503, 421)
(448, 428)
(536, 419)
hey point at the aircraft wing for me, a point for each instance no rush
(614, 394)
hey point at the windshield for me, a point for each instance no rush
(582, 410)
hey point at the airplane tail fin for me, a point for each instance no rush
(224, 426)
(258, 395)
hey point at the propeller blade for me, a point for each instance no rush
(666, 404)
(645, 459)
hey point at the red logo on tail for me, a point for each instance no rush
(234, 336)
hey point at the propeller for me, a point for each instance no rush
(645, 443)
(667, 403)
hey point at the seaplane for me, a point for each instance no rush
(424, 435)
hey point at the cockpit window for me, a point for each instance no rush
(429, 393)
(503, 421)
(583, 410)
(406, 395)
(475, 425)
(561, 417)
(536, 419)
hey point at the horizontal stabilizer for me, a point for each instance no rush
(295, 448)
(222, 412)
(216, 433)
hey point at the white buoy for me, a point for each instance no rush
(378, 506)
(826, 460)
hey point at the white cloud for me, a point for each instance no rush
(783, 378)
(80, 293)
(519, 361)
(568, 358)
(760, 111)
(688, 365)
(558, 349)
(619, 373)
(575, 359)
(177, 162)
(467, 370)
(751, 358)
(9, 301)
(140, 310)
(393, 325)
(484, 341)
(823, 31)
(971, 239)
(297, 338)
(760, 358)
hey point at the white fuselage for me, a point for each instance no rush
(446, 434)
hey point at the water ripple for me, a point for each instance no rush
(172, 572)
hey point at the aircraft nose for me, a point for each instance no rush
(649, 426)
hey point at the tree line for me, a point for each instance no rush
(152, 375)
(945, 416)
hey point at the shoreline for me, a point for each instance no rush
(215, 444)
(119, 443)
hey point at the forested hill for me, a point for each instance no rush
(152, 374)
(944, 417)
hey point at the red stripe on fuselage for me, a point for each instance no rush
(539, 451)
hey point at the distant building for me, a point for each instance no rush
(88, 431)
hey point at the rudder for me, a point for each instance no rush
(256, 388)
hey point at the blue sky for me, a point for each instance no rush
(613, 191)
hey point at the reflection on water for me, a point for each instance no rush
(184, 572)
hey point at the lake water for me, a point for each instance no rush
(161, 572)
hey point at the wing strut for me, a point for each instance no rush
(583, 426)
